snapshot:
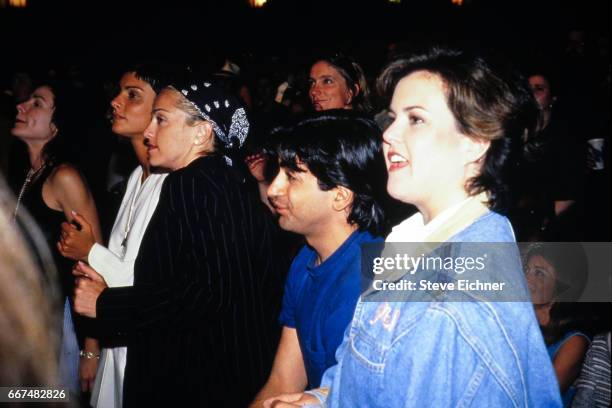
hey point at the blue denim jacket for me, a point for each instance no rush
(443, 354)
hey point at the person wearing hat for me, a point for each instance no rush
(199, 321)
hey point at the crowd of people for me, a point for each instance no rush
(227, 268)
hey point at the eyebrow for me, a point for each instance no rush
(390, 110)
(407, 108)
(322, 76)
(133, 87)
(160, 109)
(37, 96)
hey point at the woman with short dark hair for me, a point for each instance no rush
(455, 121)
(132, 108)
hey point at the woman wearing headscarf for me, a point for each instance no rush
(199, 321)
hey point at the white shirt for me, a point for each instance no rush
(116, 265)
(414, 229)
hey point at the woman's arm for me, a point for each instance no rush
(568, 360)
(67, 191)
(88, 364)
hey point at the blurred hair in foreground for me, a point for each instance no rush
(29, 301)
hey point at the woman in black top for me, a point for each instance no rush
(52, 191)
(199, 321)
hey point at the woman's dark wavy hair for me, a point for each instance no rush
(355, 79)
(67, 117)
(571, 270)
(488, 100)
(341, 148)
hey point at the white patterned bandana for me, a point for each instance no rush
(224, 111)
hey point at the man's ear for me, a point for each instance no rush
(343, 198)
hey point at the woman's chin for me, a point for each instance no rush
(400, 194)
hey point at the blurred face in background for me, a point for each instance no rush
(328, 88)
(541, 90)
(541, 279)
(34, 120)
(132, 106)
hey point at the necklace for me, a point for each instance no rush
(128, 225)
(31, 176)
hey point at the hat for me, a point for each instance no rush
(223, 110)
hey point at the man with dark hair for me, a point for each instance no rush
(329, 189)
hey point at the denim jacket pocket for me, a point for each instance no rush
(368, 352)
(377, 330)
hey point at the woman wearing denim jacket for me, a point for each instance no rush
(455, 124)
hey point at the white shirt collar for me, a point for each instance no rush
(413, 229)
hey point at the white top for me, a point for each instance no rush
(116, 265)
(413, 229)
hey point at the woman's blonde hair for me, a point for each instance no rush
(193, 114)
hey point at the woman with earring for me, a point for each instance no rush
(54, 191)
(200, 319)
(132, 108)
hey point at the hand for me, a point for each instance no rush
(280, 91)
(74, 243)
(89, 285)
(256, 164)
(88, 367)
(291, 400)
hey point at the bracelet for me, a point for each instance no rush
(89, 355)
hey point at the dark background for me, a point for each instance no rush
(94, 30)
(93, 42)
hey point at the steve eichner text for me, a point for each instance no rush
(460, 285)
(411, 263)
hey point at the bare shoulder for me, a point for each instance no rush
(576, 343)
(64, 183)
(573, 349)
(65, 174)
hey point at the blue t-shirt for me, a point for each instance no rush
(319, 301)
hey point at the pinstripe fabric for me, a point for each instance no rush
(200, 318)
